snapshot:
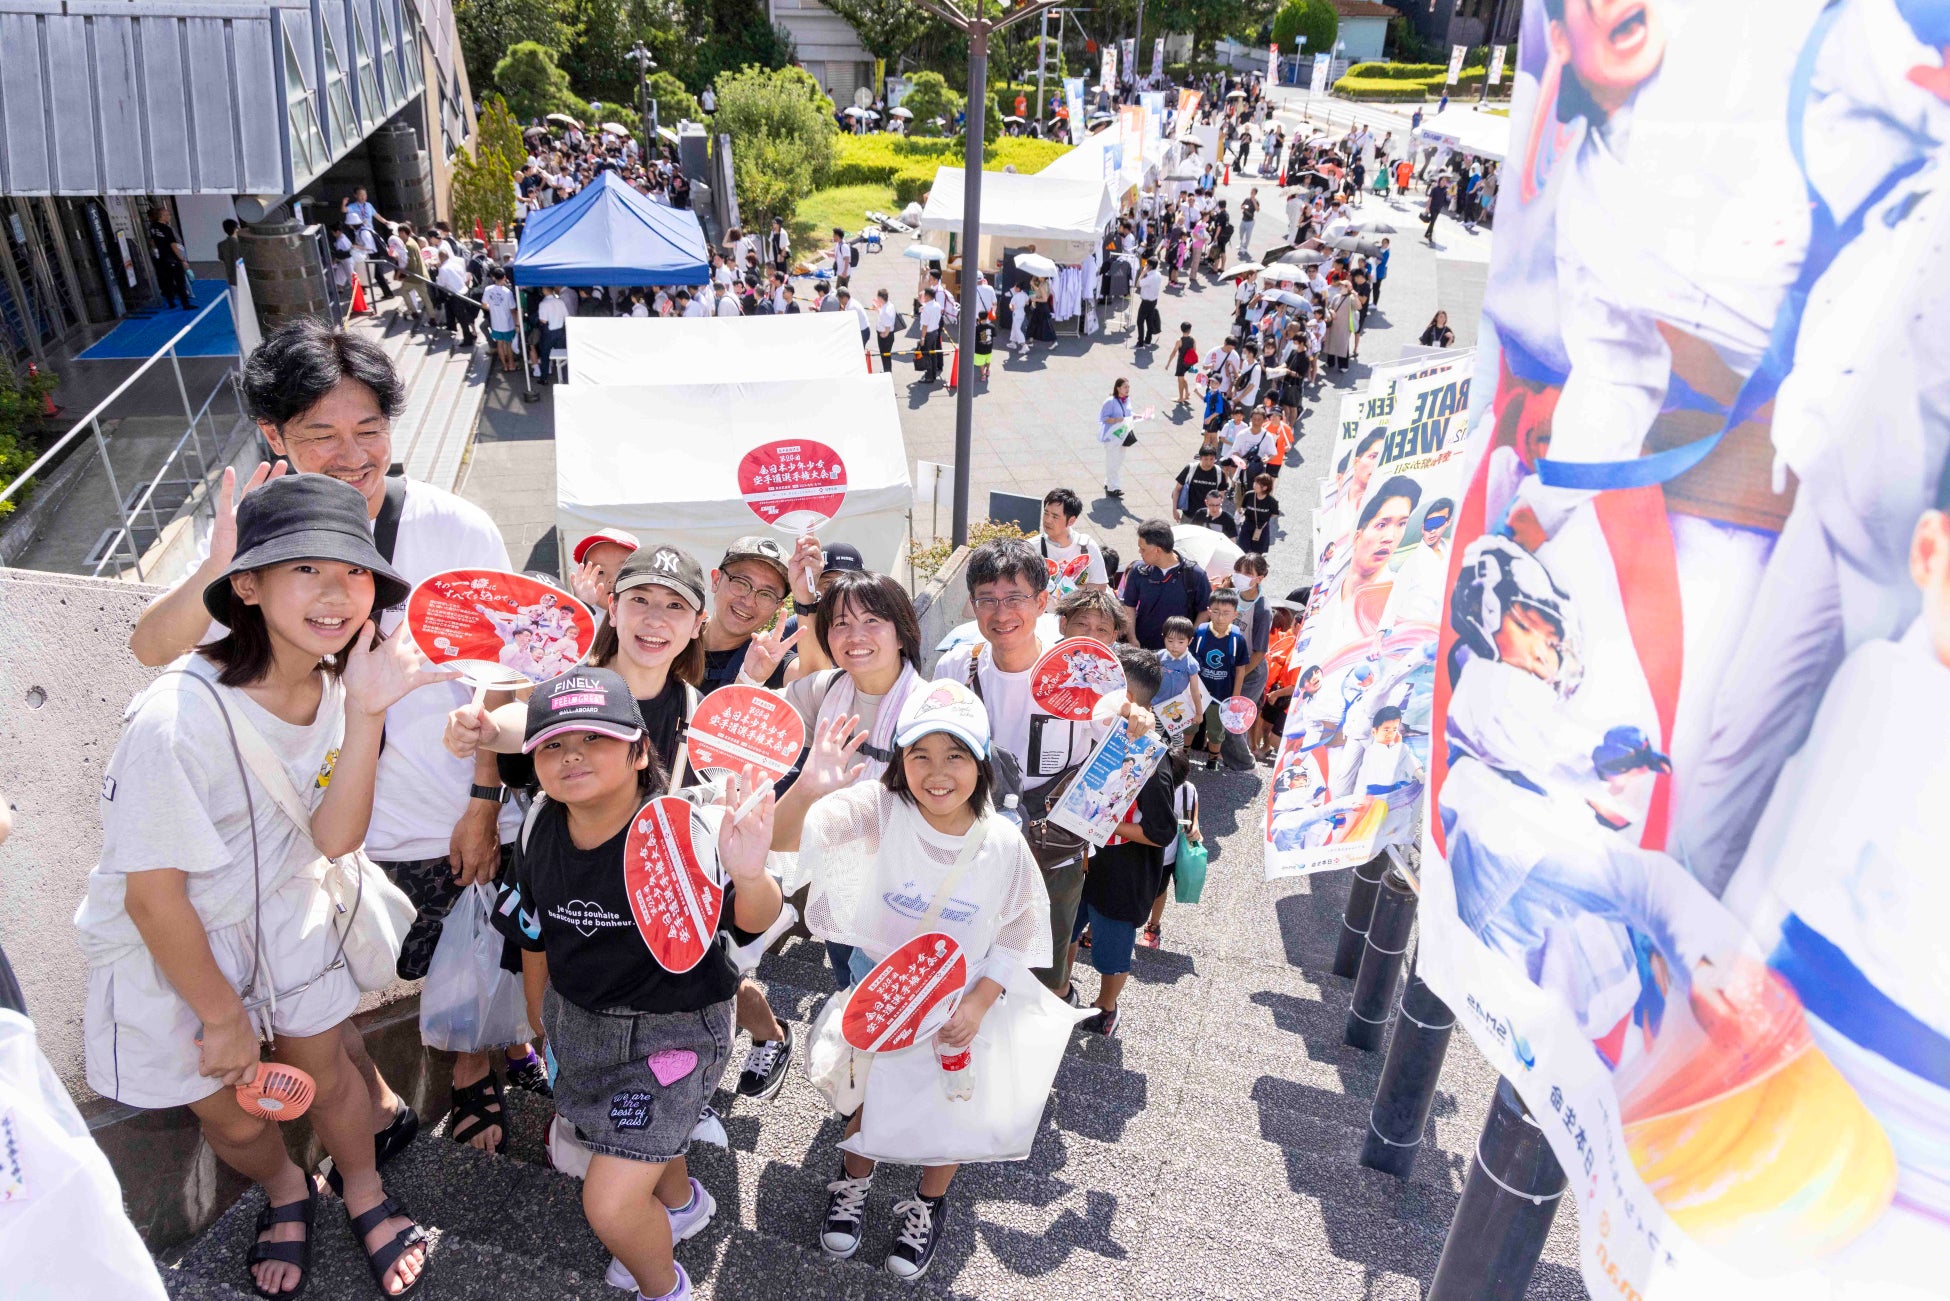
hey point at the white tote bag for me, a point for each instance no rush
(910, 1120)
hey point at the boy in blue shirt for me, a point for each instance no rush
(1223, 655)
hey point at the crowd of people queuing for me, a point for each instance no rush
(296, 724)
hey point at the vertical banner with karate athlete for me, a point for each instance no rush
(1353, 763)
(1157, 58)
(1073, 96)
(1688, 852)
(1317, 79)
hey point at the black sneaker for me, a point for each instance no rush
(922, 1222)
(1104, 1023)
(765, 1067)
(846, 1206)
(531, 1074)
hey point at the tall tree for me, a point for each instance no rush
(886, 28)
(533, 84)
(781, 138)
(488, 28)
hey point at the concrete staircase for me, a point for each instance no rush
(445, 387)
(1208, 1151)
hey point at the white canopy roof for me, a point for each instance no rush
(1466, 131)
(646, 350)
(662, 460)
(1017, 206)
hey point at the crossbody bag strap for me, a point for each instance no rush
(971, 846)
(263, 763)
(677, 770)
(385, 525)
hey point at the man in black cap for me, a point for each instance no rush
(324, 400)
(747, 589)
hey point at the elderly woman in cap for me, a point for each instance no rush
(240, 772)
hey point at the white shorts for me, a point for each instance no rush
(141, 1035)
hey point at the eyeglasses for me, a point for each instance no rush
(1013, 604)
(742, 586)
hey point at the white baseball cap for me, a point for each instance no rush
(949, 707)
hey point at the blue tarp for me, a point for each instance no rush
(610, 234)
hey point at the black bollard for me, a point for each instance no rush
(1506, 1208)
(1407, 1089)
(1360, 907)
(1381, 962)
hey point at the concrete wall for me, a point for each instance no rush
(942, 603)
(65, 680)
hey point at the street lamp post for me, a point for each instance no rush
(977, 26)
(645, 110)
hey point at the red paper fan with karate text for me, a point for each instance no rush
(793, 484)
(1073, 675)
(502, 631)
(739, 725)
(670, 869)
(907, 996)
(1237, 714)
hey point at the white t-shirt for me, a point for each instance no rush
(500, 303)
(421, 790)
(552, 313)
(1015, 720)
(1066, 575)
(728, 305)
(172, 796)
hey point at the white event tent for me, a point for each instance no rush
(1017, 206)
(658, 413)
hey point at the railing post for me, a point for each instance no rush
(1406, 1091)
(1381, 962)
(1354, 922)
(115, 490)
(1506, 1209)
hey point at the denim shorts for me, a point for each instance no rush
(1111, 942)
(634, 1083)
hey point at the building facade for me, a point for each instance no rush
(827, 46)
(211, 109)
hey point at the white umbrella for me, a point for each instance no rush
(900, 112)
(564, 119)
(854, 110)
(667, 134)
(1036, 265)
(1102, 117)
(1288, 297)
(1010, 117)
(1285, 271)
(1243, 269)
(922, 252)
(1207, 548)
(1237, 94)
(1303, 256)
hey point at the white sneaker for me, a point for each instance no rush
(684, 1225)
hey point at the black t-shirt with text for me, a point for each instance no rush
(571, 904)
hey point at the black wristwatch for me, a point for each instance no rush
(492, 794)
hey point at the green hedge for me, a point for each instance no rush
(1398, 71)
(1359, 84)
(908, 165)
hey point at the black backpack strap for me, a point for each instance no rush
(385, 525)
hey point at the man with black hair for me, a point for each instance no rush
(172, 262)
(324, 400)
(1008, 584)
(1161, 585)
(1356, 609)
(1073, 556)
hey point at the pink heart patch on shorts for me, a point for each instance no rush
(672, 1065)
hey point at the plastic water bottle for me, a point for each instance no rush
(957, 1081)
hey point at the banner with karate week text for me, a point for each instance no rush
(1686, 862)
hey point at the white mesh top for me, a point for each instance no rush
(875, 866)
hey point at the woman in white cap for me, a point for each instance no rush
(240, 773)
(883, 859)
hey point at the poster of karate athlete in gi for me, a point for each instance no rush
(1688, 832)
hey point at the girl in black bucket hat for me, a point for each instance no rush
(239, 773)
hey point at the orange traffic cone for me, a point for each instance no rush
(1228, 176)
(954, 368)
(359, 307)
(48, 408)
(497, 232)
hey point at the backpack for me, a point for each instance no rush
(1050, 845)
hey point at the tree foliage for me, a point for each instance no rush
(484, 180)
(500, 135)
(782, 132)
(928, 98)
(20, 411)
(489, 28)
(535, 86)
(887, 28)
(1315, 20)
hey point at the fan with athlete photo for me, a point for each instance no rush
(1073, 675)
(502, 631)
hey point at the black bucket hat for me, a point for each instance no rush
(304, 517)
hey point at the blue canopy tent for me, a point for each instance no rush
(610, 234)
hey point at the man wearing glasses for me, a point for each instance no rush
(1008, 584)
(747, 588)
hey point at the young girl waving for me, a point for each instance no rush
(639, 1049)
(198, 922)
(876, 856)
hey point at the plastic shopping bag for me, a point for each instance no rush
(469, 1004)
(1188, 870)
(910, 1121)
